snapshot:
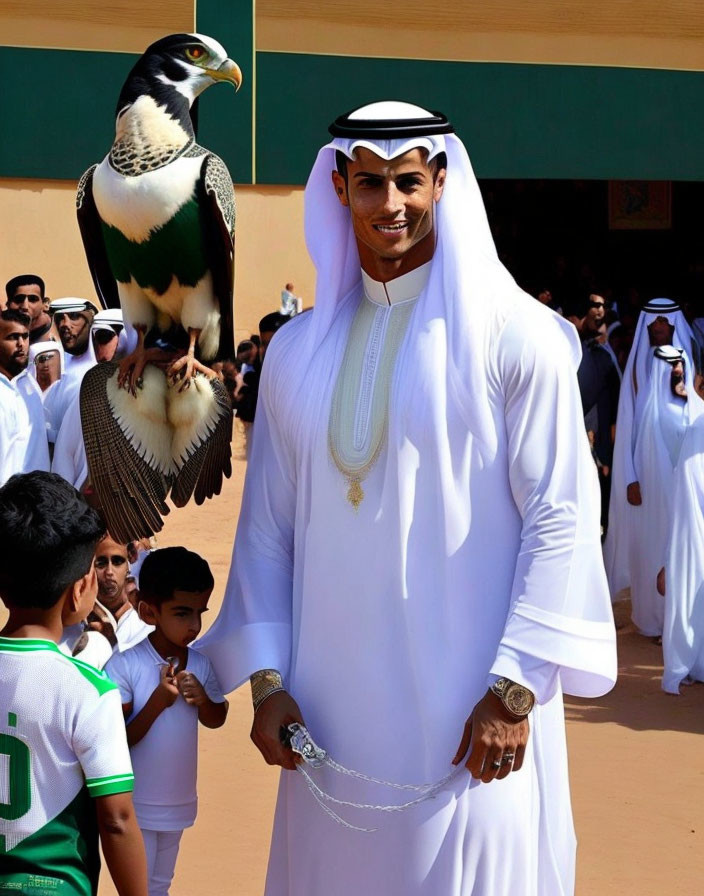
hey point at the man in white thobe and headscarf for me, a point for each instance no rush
(46, 363)
(23, 442)
(109, 338)
(73, 318)
(417, 562)
(683, 579)
(668, 411)
(661, 322)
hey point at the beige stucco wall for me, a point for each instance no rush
(121, 25)
(640, 33)
(648, 33)
(39, 234)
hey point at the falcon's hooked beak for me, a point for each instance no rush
(228, 71)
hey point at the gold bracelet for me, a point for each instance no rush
(265, 683)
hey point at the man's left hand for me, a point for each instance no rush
(492, 735)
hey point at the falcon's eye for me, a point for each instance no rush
(195, 54)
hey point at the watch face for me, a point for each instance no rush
(519, 700)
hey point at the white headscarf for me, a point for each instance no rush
(110, 319)
(41, 348)
(466, 277)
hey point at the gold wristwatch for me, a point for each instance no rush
(516, 698)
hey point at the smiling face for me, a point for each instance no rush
(392, 207)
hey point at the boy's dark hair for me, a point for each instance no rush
(272, 322)
(23, 280)
(48, 535)
(15, 316)
(172, 569)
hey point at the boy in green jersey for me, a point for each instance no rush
(65, 772)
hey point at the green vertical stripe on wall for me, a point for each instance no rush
(517, 121)
(225, 119)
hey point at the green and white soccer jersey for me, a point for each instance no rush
(62, 741)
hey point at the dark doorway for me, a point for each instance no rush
(556, 234)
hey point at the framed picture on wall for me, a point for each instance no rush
(640, 204)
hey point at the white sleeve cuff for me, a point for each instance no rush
(537, 675)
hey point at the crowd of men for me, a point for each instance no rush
(46, 346)
(640, 381)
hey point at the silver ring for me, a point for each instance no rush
(496, 763)
(507, 757)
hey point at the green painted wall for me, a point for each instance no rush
(518, 121)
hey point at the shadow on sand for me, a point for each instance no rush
(638, 701)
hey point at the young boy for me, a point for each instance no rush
(63, 753)
(167, 688)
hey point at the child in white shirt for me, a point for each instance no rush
(166, 689)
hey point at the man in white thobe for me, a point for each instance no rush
(661, 322)
(23, 441)
(109, 338)
(683, 581)
(668, 411)
(72, 318)
(420, 523)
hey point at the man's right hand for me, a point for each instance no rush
(278, 711)
(633, 495)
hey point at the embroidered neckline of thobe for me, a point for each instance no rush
(359, 416)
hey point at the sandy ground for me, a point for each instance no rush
(636, 762)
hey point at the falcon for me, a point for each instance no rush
(157, 219)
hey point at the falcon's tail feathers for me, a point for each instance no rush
(131, 494)
(209, 458)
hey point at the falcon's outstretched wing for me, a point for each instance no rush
(92, 234)
(217, 200)
(131, 493)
